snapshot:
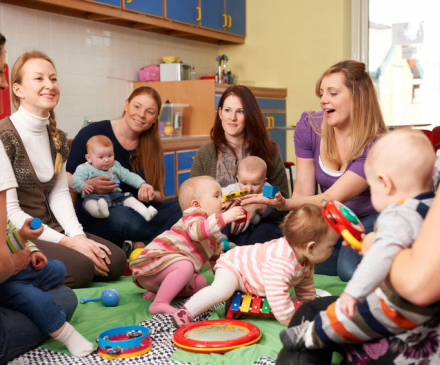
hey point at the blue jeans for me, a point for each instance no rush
(343, 260)
(19, 334)
(263, 232)
(27, 293)
(125, 223)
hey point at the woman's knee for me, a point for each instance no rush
(348, 261)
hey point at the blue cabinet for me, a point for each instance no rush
(151, 7)
(213, 14)
(170, 174)
(236, 14)
(186, 11)
(277, 119)
(177, 169)
(108, 2)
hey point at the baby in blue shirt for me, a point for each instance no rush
(101, 162)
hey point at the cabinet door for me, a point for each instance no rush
(278, 136)
(153, 7)
(236, 11)
(213, 14)
(170, 174)
(186, 11)
(108, 2)
(182, 177)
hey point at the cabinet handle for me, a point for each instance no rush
(230, 22)
(268, 122)
(199, 13)
(129, 1)
(273, 122)
(225, 21)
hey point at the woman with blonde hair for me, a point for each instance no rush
(137, 147)
(38, 152)
(331, 147)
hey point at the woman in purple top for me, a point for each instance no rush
(331, 147)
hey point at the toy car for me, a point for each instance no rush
(235, 194)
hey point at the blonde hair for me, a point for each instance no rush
(149, 151)
(252, 164)
(16, 78)
(366, 117)
(190, 190)
(303, 225)
(99, 140)
(406, 155)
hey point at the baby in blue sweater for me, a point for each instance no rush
(101, 162)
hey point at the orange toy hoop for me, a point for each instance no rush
(235, 334)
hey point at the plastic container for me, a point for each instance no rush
(171, 119)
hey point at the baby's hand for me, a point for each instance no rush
(234, 214)
(27, 233)
(347, 304)
(146, 193)
(367, 242)
(87, 189)
(38, 260)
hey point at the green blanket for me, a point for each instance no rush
(92, 318)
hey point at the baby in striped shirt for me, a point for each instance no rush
(270, 269)
(169, 266)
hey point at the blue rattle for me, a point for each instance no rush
(35, 223)
(110, 298)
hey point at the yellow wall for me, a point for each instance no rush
(289, 43)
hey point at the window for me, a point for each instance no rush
(399, 41)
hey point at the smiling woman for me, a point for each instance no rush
(38, 151)
(138, 148)
(331, 147)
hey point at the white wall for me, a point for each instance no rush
(96, 62)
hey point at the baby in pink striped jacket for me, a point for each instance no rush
(170, 265)
(270, 269)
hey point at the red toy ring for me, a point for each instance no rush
(344, 221)
(206, 336)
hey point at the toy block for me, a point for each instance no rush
(270, 191)
(246, 303)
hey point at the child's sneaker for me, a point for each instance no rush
(294, 338)
(182, 317)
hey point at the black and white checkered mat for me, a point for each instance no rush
(161, 332)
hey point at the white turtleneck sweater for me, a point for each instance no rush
(33, 132)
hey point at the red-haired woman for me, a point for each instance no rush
(138, 148)
(239, 131)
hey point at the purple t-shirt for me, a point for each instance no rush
(307, 144)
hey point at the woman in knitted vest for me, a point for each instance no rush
(38, 152)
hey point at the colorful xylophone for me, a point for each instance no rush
(242, 303)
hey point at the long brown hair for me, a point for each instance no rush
(16, 78)
(366, 117)
(256, 138)
(149, 151)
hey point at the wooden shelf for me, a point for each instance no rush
(117, 16)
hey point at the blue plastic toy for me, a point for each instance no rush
(110, 298)
(35, 223)
(270, 191)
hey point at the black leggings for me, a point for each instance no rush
(307, 311)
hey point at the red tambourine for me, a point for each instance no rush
(344, 221)
(216, 336)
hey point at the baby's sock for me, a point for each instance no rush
(152, 211)
(103, 208)
(74, 341)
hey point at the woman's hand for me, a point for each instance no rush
(102, 184)
(98, 253)
(21, 260)
(278, 202)
(146, 193)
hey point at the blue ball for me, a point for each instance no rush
(110, 297)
